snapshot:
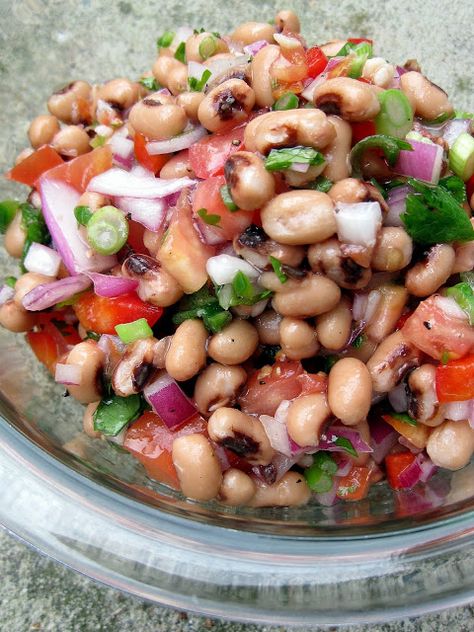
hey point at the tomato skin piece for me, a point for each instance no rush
(443, 334)
(30, 169)
(207, 157)
(152, 163)
(208, 195)
(313, 383)
(151, 441)
(80, 171)
(395, 464)
(455, 380)
(100, 314)
(269, 386)
(355, 485)
(316, 61)
(361, 130)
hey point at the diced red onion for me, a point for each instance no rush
(211, 235)
(420, 470)
(333, 62)
(454, 128)
(105, 113)
(358, 223)
(365, 306)
(450, 307)
(107, 339)
(458, 411)
(48, 294)
(382, 437)
(122, 150)
(328, 438)
(252, 49)
(396, 201)
(104, 130)
(223, 268)
(109, 285)
(141, 172)
(6, 294)
(58, 202)
(398, 398)
(408, 444)
(310, 89)
(282, 464)
(359, 305)
(471, 414)
(178, 143)
(277, 434)
(42, 260)
(221, 455)
(118, 182)
(149, 212)
(168, 401)
(423, 163)
(299, 167)
(69, 374)
(344, 464)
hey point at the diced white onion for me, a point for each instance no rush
(42, 260)
(449, 306)
(223, 268)
(358, 223)
(398, 398)
(118, 182)
(277, 434)
(178, 143)
(457, 411)
(121, 146)
(69, 374)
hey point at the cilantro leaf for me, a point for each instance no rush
(464, 297)
(279, 159)
(434, 216)
(82, 214)
(277, 269)
(346, 445)
(209, 218)
(455, 186)
(321, 183)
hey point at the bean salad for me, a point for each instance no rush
(254, 265)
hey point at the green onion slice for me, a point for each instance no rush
(136, 330)
(107, 230)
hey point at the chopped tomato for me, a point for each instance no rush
(313, 383)
(316, 61)
(100, 314)
(359, 40)
(455, 380)
(152, 163)
(80, 171)
(362, 130)
(135, 237)
(207, 157)
(418, 435)
(269, 386)
(403, 319)
(395, 464)
(44, 347)
(151, 442)
(470, 188)
(182, 252)
(30, 169)
(438, 333)
(208, 196)
(355, 485)
(341, 69)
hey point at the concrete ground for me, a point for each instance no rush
(46, 43)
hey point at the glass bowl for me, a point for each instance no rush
(90, 505)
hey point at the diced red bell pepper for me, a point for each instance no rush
(455, 380)
(355, 485)
(395, 464)
(359, 40)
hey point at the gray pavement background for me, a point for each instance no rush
(46, 43)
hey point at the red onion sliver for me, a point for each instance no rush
(252, 49)
(168, 401)
(109, 285)
(196, 70)
(396, 201)
(121, 146)
(6, 294)
(183, 141)
(382, 437)
(69, 374)
(219, 66)
(299, 167)
(48, 294)
(42, 260)
(423, 163)
(118, 182)
(277, 434)
(420, 470)
(398, 398)
(408, 444)
(149, 212)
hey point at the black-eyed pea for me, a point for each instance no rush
(187, 353)
(158, 118)
(156, 285)
(190, 102)
(290, 491)
(425, 277)
(28, 282)
(286, 128)
(234, 344)
(201, 46)
(313, 296)
(268, 327)
(393, 250)
(66, 103)
(428, 100)
(349, 190)
(226, 105)
(94, 201)
(261, 80)
(165, 67)
(299, 217)
(178, 80)
(423, 404)
(120, 93)
(15, 237)
(255, 247)
(178, 166)
(152, 241)
(353, 100)
(250, 32)
(218, 385)
(251, 185)
(393, 299)
(298, 338)
(307, 416)
(451, 445)
(197, 467)
(287, 21)
(42, 130)
(349, 391)
(16, 318)
(90, 358)
(338, 166)
(71, 141)
(334, 327)
(391, 361)
(241, 433)
(88, 421)
(326, 257)
(464, 261)
(237, 488)
(136, 367)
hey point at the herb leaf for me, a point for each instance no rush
(33, 223)
(390, 145)
(434, 216)
(279, 159)
(8, 209)
(464, 297)
(209, 218)
(114, 413)
(180, 53)
(166, 39)
(227, 199)
(405, 418)
(346, 445)
(321, 183)
(455, 186)
(82, 214)
(277, 269)
(150, 83)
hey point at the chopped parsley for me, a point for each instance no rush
(10, 281)
(321, 183)
(464, 297)
(82, 214)
(227, 199)
(346, 445)
(279, 159)
(8, 209)
(358, 342)
(33, 224)
(455, 186)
